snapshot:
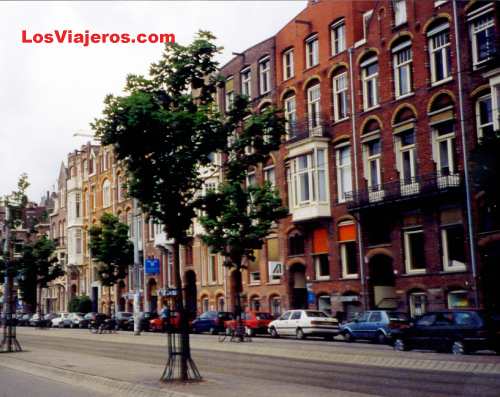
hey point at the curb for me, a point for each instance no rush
(94, 383)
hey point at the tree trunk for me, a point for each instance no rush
(109, 300)
(237, 306)
(184, 321)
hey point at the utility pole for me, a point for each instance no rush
(137, 272)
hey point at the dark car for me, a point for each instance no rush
(24, 319)
(460, 331)
(122, 320)
(42, 321)
(374, 325)
(211, 321)
(92, 317)
(144, 319)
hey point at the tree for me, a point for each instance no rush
(80, 304)
(164, 129)
(238, 216)
(112, 249)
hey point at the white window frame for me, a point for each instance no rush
(455, 265)
(255, 277)
(402, 64)
(78, 241)
(290, 107)
(341, 169)
(212, 269)
(373, 158)
(312, 51)
(246, 82)
(413, 185)
(314, 109)
(288, 64)
(337, 33)
(370, 80)
(407, 252)
(438, 3)
(268, 171)
(441, 50)
(251, 178)
(400, 12)
(449, 141)
(481, 127)
(265, 75)
(340, 90)
(344, 257)
(317, 267)
(229, 100)
(106, 194)
(488, 20)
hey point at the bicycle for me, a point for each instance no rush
(235, 334)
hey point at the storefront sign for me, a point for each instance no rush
(152, 266)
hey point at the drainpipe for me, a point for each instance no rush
(468, 193)
(356, 184)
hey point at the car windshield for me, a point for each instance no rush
(264, 316)
(126, 315)
(396, 316)
(311, 313)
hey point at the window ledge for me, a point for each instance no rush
(350, 277)
(405, 96)
(338, 53)
(415, 272)
(335, 122)
(253, 284)
(307, 69)
(323, 278)
(274, 282)
(370, 109)
(440, 82)
(457, 269)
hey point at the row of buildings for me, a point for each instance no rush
(384, 102)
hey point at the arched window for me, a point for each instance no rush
(369, 77)
(372, 155)
(106, 193)
(406, 150)
(402, 64)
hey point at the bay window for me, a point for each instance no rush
(402, 59)
(314, 109)
(312, 51)
(369, 75)
(439, 52)
(344, 177)
(339, 90)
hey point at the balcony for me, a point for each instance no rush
(307, 128)
(423, 186)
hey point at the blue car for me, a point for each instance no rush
(211, 321)
(374, 325)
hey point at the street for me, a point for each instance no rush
(263, 367)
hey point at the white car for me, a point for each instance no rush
(59, 320)
(303, 323)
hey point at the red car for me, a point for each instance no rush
(254, 322)
(160, 324)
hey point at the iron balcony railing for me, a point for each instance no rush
(305, 128)
(403, 189)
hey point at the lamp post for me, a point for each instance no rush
(137, 271)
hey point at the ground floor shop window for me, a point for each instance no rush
(325, 304)
(414, 251)
(204, 305)
(458, 299)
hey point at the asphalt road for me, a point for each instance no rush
(19, 384)
(288, 372)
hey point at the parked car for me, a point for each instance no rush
(254, 322)
(89, 317)
(160, 324)
(460, 331)
(375, 325)
(122, 320)
(44, 321)
(211, 321)
(73, 320)
(303, 323)
(59, 321)
(24, 319)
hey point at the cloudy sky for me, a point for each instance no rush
(48, 92)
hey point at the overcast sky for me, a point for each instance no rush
(50, 91)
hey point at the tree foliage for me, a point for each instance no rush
(485, 161)
(111, 248)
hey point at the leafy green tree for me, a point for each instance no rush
(164, 129)
(237, 216)
(112, 250)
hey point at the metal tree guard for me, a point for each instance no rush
(9, 343)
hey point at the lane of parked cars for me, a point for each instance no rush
(455, 331)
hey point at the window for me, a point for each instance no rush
(484, 116)
(438, 3)
(151, 229)
(372, 151)
(439, 53)
(444, 141)
(402, 58)
(369, 75)
(78, 241)
(77, 205)
(229, 97)
(418, 304)
(308, 179)
(366, 22)
(322, 266)
(338, 37)
(399, 11)
(270, 175)
(344, 177)
(246, 82)
(296, 315)
(251, 179)
(339, 89)
(458, 299)
(275, 305)
(414, 251)
(312, 51)
(265, 75)
(275, 266)
(106, 194)
(204, 305)
(290, 115)
(254, 277)
(453, 247)
(347, 248)
(212, 268)
(314, 109)
(426, 320)
(288, 64)
(375, 317)
(482, 33)
(407, 161)
(295, 245)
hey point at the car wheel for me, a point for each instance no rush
(300, 334)
(400, 345)
(381, 338)
(348, 337)
(212, 331)
(249, 331)
(274, 333)
(458, 348)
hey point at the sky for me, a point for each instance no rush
(49, 92)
